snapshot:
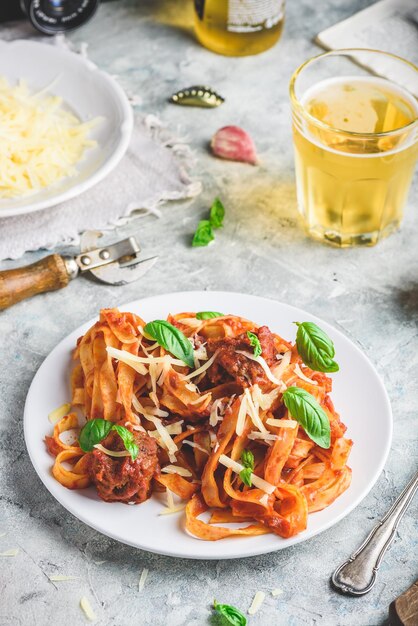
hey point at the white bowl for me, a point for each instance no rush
(89, 93)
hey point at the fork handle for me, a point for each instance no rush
(358, 575)
(48, 274)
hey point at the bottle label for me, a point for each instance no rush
(249, 16)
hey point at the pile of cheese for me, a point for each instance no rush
(40, 141)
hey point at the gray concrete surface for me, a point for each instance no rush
(370, 294)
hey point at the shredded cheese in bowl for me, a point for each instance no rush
(40, 140)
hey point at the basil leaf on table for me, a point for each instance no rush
(94, 431)
(128, 440)
(172, 340)
(231, 614)
(217, 214)
(303, 407)
(203, 235)
(315, 347)
(255, 342)
(208, 315)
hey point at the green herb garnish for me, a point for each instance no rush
(315, 347)
(231, 614)
(255, 342)
(217, 214)
(172, 340)
(303, 407)
(208, 315)
(96, 430)
(204, 232)
(247, 460)
(203, 235)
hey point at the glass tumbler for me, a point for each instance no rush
(355, 133)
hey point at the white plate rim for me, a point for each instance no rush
(243, 552)
(125, 130)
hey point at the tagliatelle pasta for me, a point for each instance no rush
(219, 435)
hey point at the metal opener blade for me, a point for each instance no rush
(115, 264)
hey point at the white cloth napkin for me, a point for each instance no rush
(154, 170)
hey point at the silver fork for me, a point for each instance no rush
(358, 575)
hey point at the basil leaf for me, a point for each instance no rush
(231, 614)
(217, 214)
(93, 432)
(208, 315)
(128, 440)
(172, 339)
(315, 347)
(255, 342)
(98, 429)
(203, 235)
(303, 407)
(245, 476)
(247, 459)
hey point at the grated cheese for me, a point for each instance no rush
(143, 578)
(172, 429)
(165, 368)
(264, 500)
(56, 415)
(88, 611)
(262, 362)
(265, 400)
(195, 445)
(282, 423)
(164, 434)
(172, 510)
(301, 375)
(203, 368)
(114, 453)
(242, 414)
(12, 552)
(171, 507)
(41, 141)
(284, 363)
(257, 602)
(276, 592)
(256, 480)
(255, 434)
(201, 399)
(215, 416)
(201, 353)
(128, 358)
(253, 410)
(176, 469)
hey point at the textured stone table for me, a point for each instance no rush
(370, 294)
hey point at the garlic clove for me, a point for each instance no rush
(235, 144)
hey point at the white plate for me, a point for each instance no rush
(87, 92)
(358, 394)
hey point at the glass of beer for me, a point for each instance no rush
(355, 130)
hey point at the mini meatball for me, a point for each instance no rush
(122, 479)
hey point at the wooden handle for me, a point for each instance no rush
(404, 610)
(48, 274)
